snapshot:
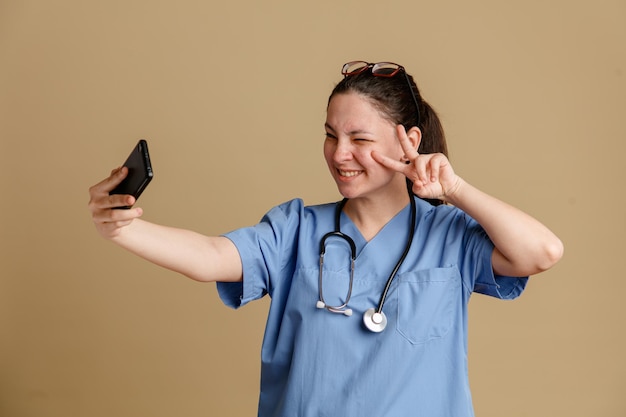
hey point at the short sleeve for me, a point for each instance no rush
(266, 251)
(477, 264)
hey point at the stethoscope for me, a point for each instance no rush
(374, 318)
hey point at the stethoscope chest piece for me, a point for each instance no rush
(374, 321)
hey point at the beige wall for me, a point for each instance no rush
(231, 96)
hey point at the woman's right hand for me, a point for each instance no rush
(202, 258)
(108, 220)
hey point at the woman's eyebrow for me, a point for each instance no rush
(352, 132)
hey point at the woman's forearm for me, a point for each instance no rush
(199, 257)
(524, 246)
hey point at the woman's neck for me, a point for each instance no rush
(370, 215)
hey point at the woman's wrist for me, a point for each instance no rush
(451, 194)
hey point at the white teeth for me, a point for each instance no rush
(349, 173)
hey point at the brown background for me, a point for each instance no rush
(231, 96)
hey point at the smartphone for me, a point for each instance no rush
(139, 172)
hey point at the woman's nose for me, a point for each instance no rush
(343, 151)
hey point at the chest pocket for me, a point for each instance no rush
(426, 303)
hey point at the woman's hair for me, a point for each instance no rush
(392, 97)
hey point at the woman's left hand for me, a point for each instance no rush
(431, 174)
(523, 246)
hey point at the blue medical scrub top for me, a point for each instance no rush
(316, 363)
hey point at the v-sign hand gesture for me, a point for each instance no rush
(431, 174)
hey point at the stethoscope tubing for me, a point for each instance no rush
(336, 309)
(374, 319)
(407, 247)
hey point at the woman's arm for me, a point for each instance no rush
(199, 257)
(523, 246)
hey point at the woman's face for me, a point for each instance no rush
(355, 128)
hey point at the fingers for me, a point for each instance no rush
(108, 221)
(430, 174)
(436, 178)
(116, 177)
(99, 193)
(390, 163)
(109, 183)
(409, 146)
(428, 167)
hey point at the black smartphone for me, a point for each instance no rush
(139, 172)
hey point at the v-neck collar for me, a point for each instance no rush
(395, 229)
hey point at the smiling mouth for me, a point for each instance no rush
(349, 173)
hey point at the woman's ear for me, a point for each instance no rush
(415, 136)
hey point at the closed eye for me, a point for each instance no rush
(362, 140)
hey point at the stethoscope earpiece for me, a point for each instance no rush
(342, 310)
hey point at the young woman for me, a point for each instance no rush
(369, 295)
